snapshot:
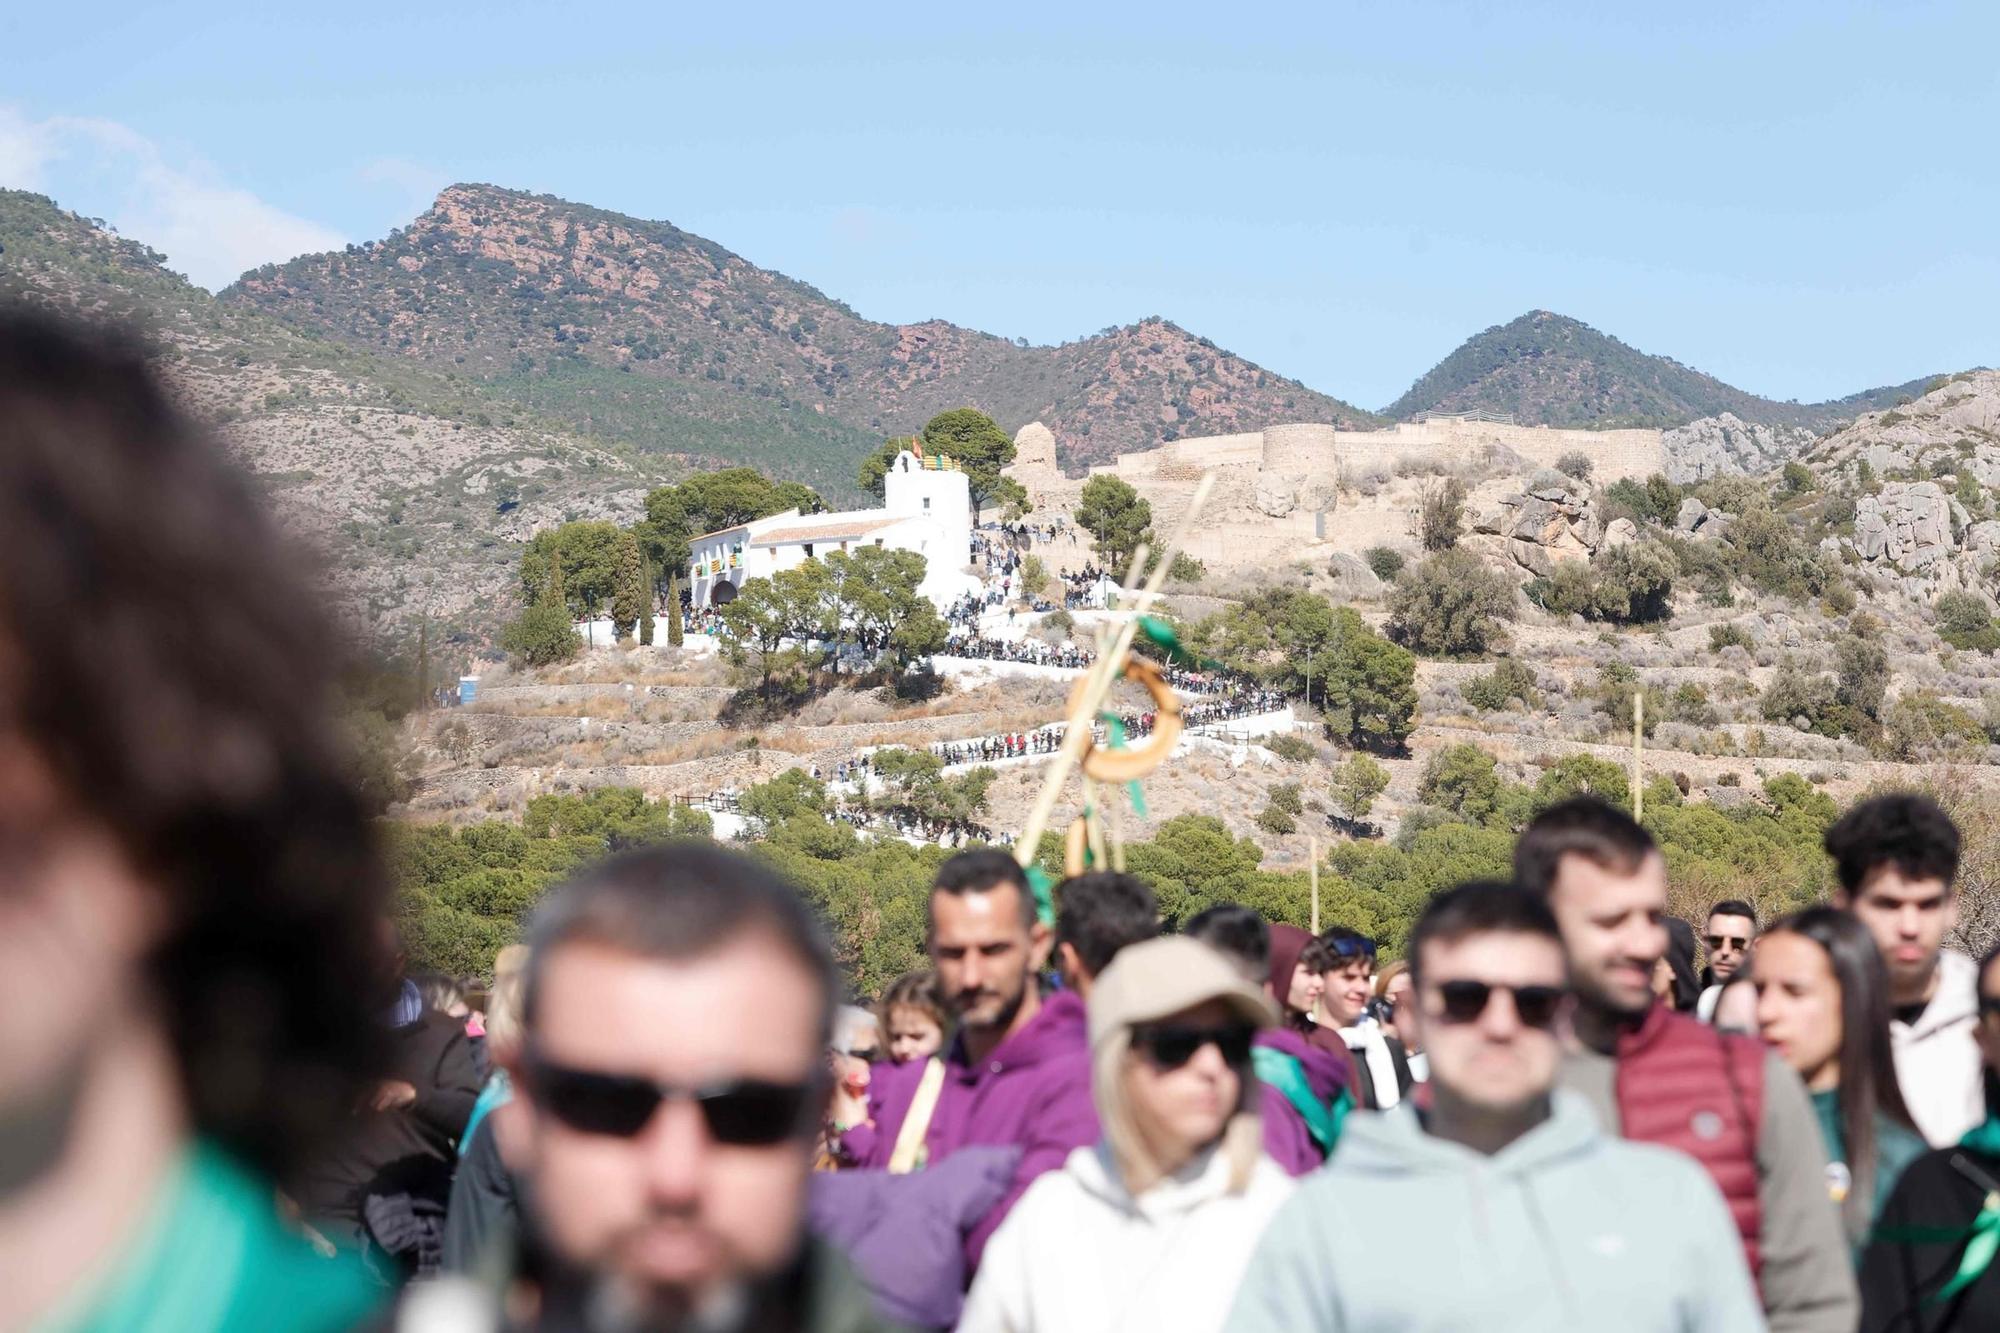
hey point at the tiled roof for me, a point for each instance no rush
(838, 529)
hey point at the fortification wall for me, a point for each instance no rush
(1614, 454)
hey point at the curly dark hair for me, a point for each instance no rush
(1902, 829)
(165, 655)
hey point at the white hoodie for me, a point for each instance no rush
(1937, 1057)
(1080, 1253)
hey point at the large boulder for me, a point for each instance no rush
(1726, 445)
(1691, 513)
(1277, 495)
(1910, 525)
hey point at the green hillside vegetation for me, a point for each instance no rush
(463, 892)
(1546, 369)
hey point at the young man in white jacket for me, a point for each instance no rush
(1149, 1230)
(1503, 1206)
(1897, 860)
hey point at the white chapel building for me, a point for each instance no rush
(926, 508)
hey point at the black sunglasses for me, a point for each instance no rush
(745, 1113)
(1730, 941)
(1171, 1045)
(1989, 1004)
(1363, 947)
(1465, 1001)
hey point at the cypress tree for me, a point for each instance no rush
(646, 604)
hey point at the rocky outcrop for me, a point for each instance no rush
(1727, 445)
(1909, 525)
(1555, 518)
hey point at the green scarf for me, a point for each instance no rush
(1288, 1076)
(1981, 1236)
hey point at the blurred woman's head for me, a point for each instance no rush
(1171, 1025)
(503, 1002)
(912, 1017)
(1823, 1005)
(1674, 977)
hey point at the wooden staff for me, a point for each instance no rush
(1638, 744)
(1314, 844)
(1112, 647)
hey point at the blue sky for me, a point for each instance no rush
(1798, 197)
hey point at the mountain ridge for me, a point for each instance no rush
(542, 297)
(1546, 369)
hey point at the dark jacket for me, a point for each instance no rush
(1904, 1269)
(483, 1213)
(406, 1151)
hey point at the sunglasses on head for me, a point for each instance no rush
(1728, 942)
(1537, 1006)
(1989, 1004)
(744, 1113)
(1171, 1045)
(1361, 947)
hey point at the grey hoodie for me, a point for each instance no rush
(1562, 1229)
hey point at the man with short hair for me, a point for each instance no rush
(1660, 1077)
(670, 1073)
(1381, 1066)
(1896, 858)
(1567, 1227)
(1732, 929)
(1017, 1070)
(1305, 1093)
(1098, 913)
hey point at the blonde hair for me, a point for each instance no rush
(1389, 972)
(503, 1002)
(1241, 1141)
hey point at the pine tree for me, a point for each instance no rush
(628, 598)
(646, 604)
(423, 664)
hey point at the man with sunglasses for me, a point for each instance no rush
(1381, 1066)
(1659, 1077)
(678, 1005)
(1503, 1184)
(1732, 929)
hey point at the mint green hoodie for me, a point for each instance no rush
(1562, 1229)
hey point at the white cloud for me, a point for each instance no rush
(209, 229)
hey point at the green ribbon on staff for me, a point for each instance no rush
(1044, 890)
(1115, 734)
(1161, 635)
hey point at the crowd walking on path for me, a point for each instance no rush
(229, 1104)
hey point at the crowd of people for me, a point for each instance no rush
(228, 1104)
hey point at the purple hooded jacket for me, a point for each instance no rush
(1286, 1138)
(1032, 1093)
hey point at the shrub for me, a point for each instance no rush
(1624, 585)
(1965, 623)
(1689, 704)
(1186, 569)
(1729, 636)
(1769, 555)
(1730, 779)
(1440, 513)
(1291, 748)
(1576, 464)
(541, 636)
(1920, 725)
(1801, 697)
(1451, 605)
(1797, 478)
(1386, 563)
(1287, 797)
(1058, 622)
(1508, 680)
(1273, 820)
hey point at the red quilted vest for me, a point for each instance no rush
(1682, 1084)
